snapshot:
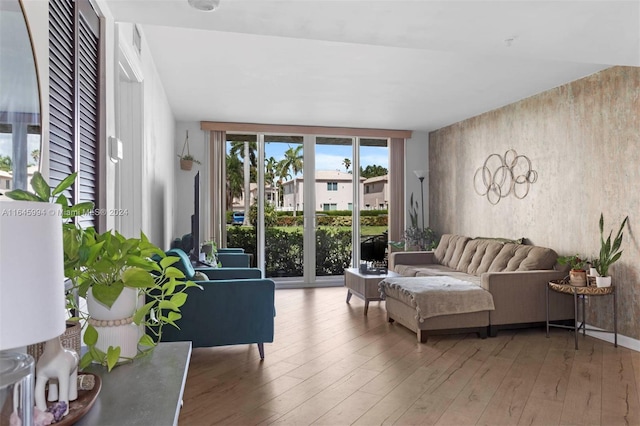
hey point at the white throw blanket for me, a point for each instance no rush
(435, 296)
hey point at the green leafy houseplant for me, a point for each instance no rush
(414, 236)
(111, 262)
(44, 193)
(189, 157)
(210, 250)
(575, 262)
(609, 250)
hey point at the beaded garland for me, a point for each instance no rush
(110, 323)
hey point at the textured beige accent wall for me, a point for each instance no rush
(583, 139)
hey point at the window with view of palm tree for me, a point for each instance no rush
(247, 151)
(235, 180)
(347, 164)
(290, 166)
(270, 176)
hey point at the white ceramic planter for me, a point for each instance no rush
(603, 281)
(116, 328)
(123, 307)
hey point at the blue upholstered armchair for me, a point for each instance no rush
(236, 307)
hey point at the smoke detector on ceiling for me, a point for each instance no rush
(204, 5)
(509, 41)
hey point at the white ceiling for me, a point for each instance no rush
(415, 65)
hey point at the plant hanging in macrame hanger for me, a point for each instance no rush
(186, 160)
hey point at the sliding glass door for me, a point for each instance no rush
(298, 203)
(334, 187)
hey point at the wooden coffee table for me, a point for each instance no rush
(365, 286)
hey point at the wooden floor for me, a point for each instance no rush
(330, 365)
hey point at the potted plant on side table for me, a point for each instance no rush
(609, 253)
(577, 273)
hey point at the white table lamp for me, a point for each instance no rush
(32, 304)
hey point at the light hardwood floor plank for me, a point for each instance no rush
(430, 406)
(540, 412)
(583, 400)
(635, 360)
(508, 402)
(619, 391)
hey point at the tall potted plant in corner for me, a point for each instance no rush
(609, 252)
(416, 238)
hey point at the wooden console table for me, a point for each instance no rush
(579, 294)
(146, 392)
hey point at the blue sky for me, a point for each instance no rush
(6, 142)
(330, 157)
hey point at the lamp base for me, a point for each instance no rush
(17, 372)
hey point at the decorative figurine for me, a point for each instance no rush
(59, 367)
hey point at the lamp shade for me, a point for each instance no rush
(420, 174)
(32, 304)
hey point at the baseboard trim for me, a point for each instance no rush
(625, 341)
(292, 284)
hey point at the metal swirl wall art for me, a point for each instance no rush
(501, 176)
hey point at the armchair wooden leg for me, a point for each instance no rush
(261, 350)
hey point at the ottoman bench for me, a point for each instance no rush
(424, 304)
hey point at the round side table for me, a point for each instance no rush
(579, 295)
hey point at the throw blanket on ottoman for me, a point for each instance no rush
(435, 296)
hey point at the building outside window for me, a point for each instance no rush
(329, 206)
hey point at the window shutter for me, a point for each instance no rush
(61, 92)
(87, 86)
(74, 40)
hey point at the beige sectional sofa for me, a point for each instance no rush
(516, 276)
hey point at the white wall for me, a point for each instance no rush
(184, 178)
(417, 158)
(158, 178)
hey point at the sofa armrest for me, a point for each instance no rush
(519, 297)
(230, 273)
(411, 258)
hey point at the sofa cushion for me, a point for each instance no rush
(462, 276)
(515, 257)
(478, 256)
(450, 249)
(430, 270)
